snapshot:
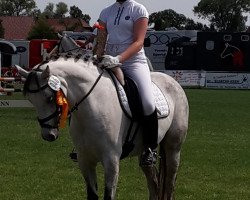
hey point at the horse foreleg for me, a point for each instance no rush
(152, 181)
(111, 171)
(88, 170)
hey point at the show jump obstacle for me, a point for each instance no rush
(9, 48)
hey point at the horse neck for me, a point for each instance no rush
(80, 77)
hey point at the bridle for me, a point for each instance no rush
(57, 112)
(42, 121)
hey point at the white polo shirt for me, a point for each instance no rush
(119, 20)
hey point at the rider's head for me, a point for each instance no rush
(120, 0)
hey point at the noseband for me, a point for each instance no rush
(56, 113)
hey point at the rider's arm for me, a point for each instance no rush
(140, 29)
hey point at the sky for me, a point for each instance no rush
(94, 7)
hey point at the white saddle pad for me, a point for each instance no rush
(162, 106)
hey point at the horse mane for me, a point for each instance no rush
(84, 55)
(68, 48)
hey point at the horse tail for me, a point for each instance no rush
(162, 174)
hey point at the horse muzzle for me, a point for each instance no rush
(49, 135)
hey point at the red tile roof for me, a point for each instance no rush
(16, 27)
(63, 24)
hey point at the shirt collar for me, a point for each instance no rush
(123, 3)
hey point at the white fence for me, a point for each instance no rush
(15, 103)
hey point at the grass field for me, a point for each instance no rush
(215, 157)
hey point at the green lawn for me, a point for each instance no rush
(215, 157)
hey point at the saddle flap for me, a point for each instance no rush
(134, 99)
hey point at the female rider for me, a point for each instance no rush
(125, 24)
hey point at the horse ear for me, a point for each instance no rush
(22, 71)
(45, 74)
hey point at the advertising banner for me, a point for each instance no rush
(188, 78)
(228, 80)
(157, 48)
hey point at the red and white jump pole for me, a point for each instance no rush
(10, 90)
(9, 79)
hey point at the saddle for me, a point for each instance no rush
(131, 104)
(130, 99)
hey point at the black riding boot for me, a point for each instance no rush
(150, 137)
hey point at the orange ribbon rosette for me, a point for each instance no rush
(62, 101)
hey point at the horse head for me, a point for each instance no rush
(41, 89)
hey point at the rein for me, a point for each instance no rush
(75, 107)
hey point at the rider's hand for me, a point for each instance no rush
(110, 61)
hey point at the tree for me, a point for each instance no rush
(86, 18)
(169, 18)
(49, 10)
(75, 12)
(42, 30)
(191, 25)
(1, 30)
(16, 7)
(224, 15)
(36, 13)
(61, 9)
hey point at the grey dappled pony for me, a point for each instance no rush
(99, 126)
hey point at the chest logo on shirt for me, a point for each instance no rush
(127, 17)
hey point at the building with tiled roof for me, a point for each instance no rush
(65, 24)
(18, 27)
